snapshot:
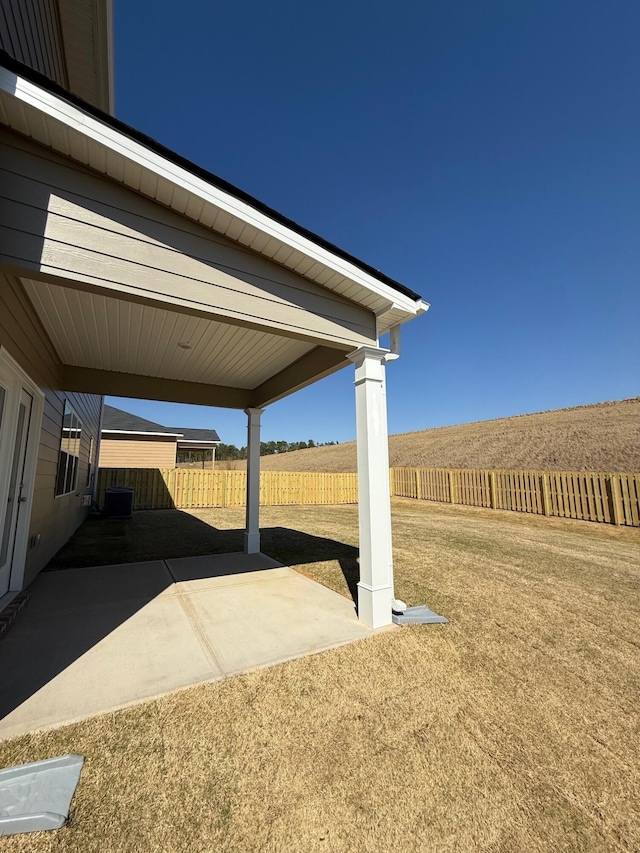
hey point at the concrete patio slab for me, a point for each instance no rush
(200, 571)
(80, 663)
(277, 616)
(71, 589)
(99, 639)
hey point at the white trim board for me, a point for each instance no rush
(139, 432)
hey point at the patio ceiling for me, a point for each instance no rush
(128, 348)
(91, 330)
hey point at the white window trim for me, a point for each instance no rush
(74, 490)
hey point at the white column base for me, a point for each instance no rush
(251, 543)
(374, 605)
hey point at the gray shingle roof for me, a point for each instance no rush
(189, 434)
(116, 419)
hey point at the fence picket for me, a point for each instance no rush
(634, 496)
(593, 496)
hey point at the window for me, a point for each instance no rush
(69, 457)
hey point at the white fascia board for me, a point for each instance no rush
(139, 432)
(75, 119)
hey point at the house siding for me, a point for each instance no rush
(60, 219)
(55, 519)
(30, 32)
(144, 451)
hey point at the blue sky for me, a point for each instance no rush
(484, 153)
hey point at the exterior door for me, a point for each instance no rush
(16, 499)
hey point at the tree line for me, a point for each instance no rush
(268, 448)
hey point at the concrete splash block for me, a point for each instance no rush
(37, 796)
(419, 615)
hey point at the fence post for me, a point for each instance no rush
(418, 485)
(453, 491)
(615, 499)
(392, 482)
(493, 490)
(546, 499)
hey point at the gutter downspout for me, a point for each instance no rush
(402, 614)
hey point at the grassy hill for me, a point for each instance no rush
(601, 437)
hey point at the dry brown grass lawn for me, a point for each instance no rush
(603, 437)
(514, 728)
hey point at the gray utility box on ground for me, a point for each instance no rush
(118, 502)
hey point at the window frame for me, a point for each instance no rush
(69, 484)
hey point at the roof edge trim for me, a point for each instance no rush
(146, 151)
(141, 432)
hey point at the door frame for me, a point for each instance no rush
(17, 380)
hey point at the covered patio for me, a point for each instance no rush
(155, 279)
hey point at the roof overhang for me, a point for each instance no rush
(189, 444)
(184, 443)
(40, 110)
(268, 307)
(140, 432)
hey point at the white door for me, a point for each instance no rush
(16, 499)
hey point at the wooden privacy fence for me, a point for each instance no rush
(609, 498)
(164, 488)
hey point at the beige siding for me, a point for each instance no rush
(140, 452)
(59, 219)
(30, 32)
(55, 519)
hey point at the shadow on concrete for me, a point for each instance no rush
(69, 613)
(297, 548)
(77, 602)
(171, 534)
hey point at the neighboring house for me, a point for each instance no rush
(128, 441)
(129, 271)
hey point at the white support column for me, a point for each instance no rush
(252, 531)
(375, 589)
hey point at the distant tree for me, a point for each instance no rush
(230, 451)
(227, 451)
(268, 448)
